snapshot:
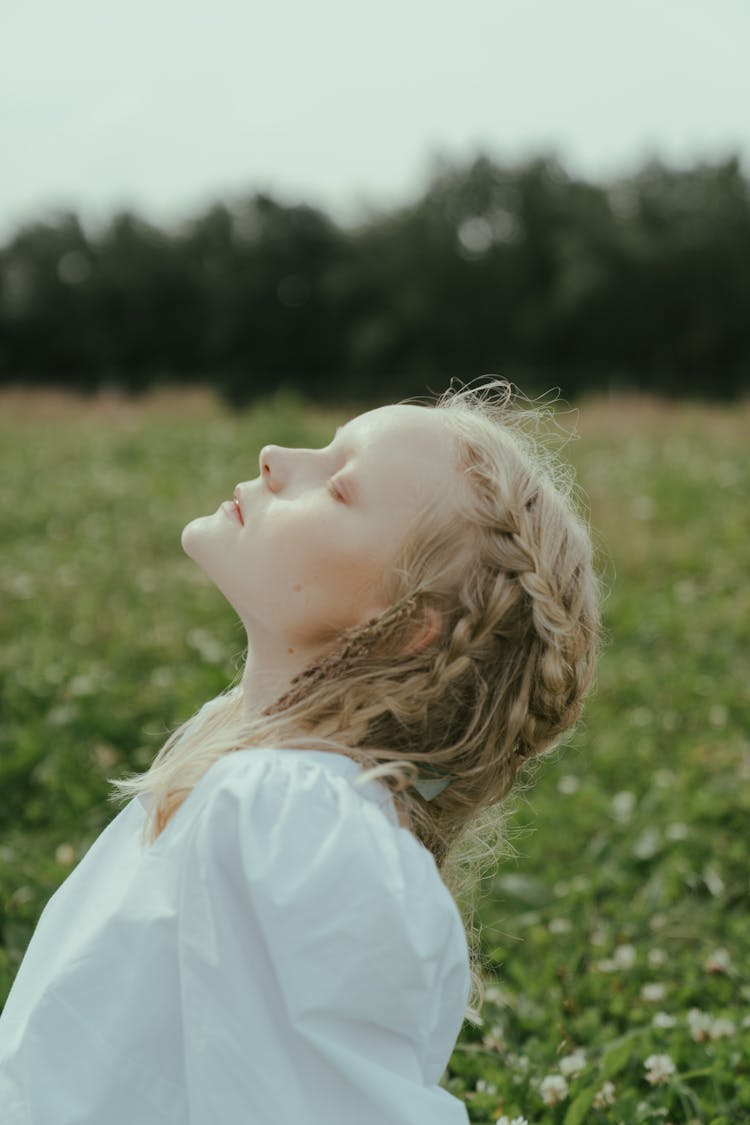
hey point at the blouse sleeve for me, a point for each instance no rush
(309, 954)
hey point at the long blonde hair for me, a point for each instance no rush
(511, 576)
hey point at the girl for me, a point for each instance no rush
(266, 932)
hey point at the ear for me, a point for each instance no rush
(429, 629)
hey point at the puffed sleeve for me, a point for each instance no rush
(310, 954)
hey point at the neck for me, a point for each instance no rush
(268, 673)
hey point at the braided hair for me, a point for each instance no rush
(512, 581)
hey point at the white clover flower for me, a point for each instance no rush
(559, 926)
(484, 1087)
(700, 1024)
(653, 992)
(495, 1038)
(606, 965)
(659, 1068)
(722, 1027)
(553, 1089)
(717, 715)
(622, 805)
(494, 994)
(517, 1062)
(624, 956)
(570, 1065)
(663, 778)
(663, 1020)
(65, 855)
(718, 962)
(648, 843)
(656, 958)
(505, 1120)
(604, 1096)
(746, 1021)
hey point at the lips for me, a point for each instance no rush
(230, 510)
(238, 507)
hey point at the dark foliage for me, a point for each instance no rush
(525, 272)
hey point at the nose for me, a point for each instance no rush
(266, 463)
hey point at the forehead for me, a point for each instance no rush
(393, 441)
(416, 426)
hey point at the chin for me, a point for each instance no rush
(191, 535)
(185, 537)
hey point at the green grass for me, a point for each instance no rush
(630, 870)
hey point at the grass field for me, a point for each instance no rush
(618, 934)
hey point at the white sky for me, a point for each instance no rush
(165, 105)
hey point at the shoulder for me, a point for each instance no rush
(296, 810)
(294, 801)
(328, 880)
(271, 775)
(300, 779)
(309, 793)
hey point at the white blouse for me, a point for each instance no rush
(283, 954)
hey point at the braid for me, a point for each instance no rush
(513, 581)
(356, 643)
(551, 586)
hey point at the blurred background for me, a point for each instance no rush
(228, 224)
(358, 201)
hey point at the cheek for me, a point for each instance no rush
(309, 531)
(322, 552)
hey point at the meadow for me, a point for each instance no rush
(616, 929)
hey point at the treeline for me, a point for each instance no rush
(525, 272)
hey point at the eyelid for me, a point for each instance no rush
(335, 493)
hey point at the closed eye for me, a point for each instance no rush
(334, 492)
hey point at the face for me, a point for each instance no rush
(322, 527)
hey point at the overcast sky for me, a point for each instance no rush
(164, 105)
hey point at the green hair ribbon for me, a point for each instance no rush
(431, 782)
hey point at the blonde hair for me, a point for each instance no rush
(511, 578)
